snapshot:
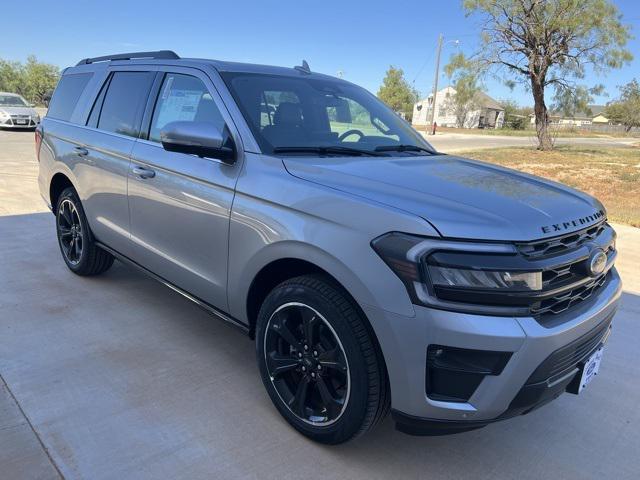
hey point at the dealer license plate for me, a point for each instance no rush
(590, 369)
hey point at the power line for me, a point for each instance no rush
(424, 64)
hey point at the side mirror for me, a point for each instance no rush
(32, 105)
(203, 139)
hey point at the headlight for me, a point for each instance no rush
(3, 114)
(487, 278)
(458, 277)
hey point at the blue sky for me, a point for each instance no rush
(359, 38)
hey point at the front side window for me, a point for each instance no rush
(66, 95)
(183, 98)
(287, 112)
(127, 93)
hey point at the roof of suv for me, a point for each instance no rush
(167, 57)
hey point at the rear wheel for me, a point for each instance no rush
(318, 360)
(75, 239)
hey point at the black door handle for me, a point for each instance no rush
(143, 172)
(83, 152)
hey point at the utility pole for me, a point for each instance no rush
(435, 81)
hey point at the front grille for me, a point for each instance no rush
(566, 300)
(24, 120)
(565, 359)
(568, 279)
(564, 243)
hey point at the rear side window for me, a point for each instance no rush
(121, 110)
(67, 94)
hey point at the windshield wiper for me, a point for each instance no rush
(404, 148)
(327, 150)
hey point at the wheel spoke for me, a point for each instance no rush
(74, 216)
(66, 214)
(331, 403)
(310, 323)
(332, 359)
(64, 231)
(77, 250)
(66, 246)
(298, 401)
(280, 364)
(280, 327)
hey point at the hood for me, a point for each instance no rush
(461, 198)
(19, 110)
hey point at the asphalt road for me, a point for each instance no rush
(455, 142)
(118, 377)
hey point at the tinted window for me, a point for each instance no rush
(67, 94)
(183, 98)
(270, 104)
(121, 108)
(313, 113)
(97, 105)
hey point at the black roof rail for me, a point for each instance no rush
(160, 54)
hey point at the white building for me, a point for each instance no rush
(486, 112)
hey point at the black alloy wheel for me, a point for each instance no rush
(306, 364)
(77, 244)
(320, 361)
(70, 231)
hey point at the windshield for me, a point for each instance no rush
(306, 115)
(12, 101)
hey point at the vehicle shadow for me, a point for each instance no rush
(121, 377)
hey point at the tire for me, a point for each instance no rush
(77, 245)
(349, 393)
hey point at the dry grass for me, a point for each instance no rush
(530, 132)
(610, 174)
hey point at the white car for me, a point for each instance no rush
(16, 112)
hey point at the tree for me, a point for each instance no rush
(464, 100)
(396, 92)
(10, 77)
(33, 80)
(40, 79)
(626, 110)
(548, 43)
(515, 116)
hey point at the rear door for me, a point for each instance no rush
(105, 146)
(180, 203)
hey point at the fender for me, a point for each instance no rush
(240, 282)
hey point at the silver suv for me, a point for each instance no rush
(374, 273)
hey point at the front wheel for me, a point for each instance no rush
(77, 245)
(319, 362)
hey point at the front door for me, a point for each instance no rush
(179, 203)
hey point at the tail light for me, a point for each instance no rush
(38, 135)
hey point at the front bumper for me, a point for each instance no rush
(12, 123)
(517, 389)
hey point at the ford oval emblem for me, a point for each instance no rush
(597, 263)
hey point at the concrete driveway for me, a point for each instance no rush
(455, 142)
(118, 377)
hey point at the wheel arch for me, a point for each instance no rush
(290, 260)
(59, 182)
